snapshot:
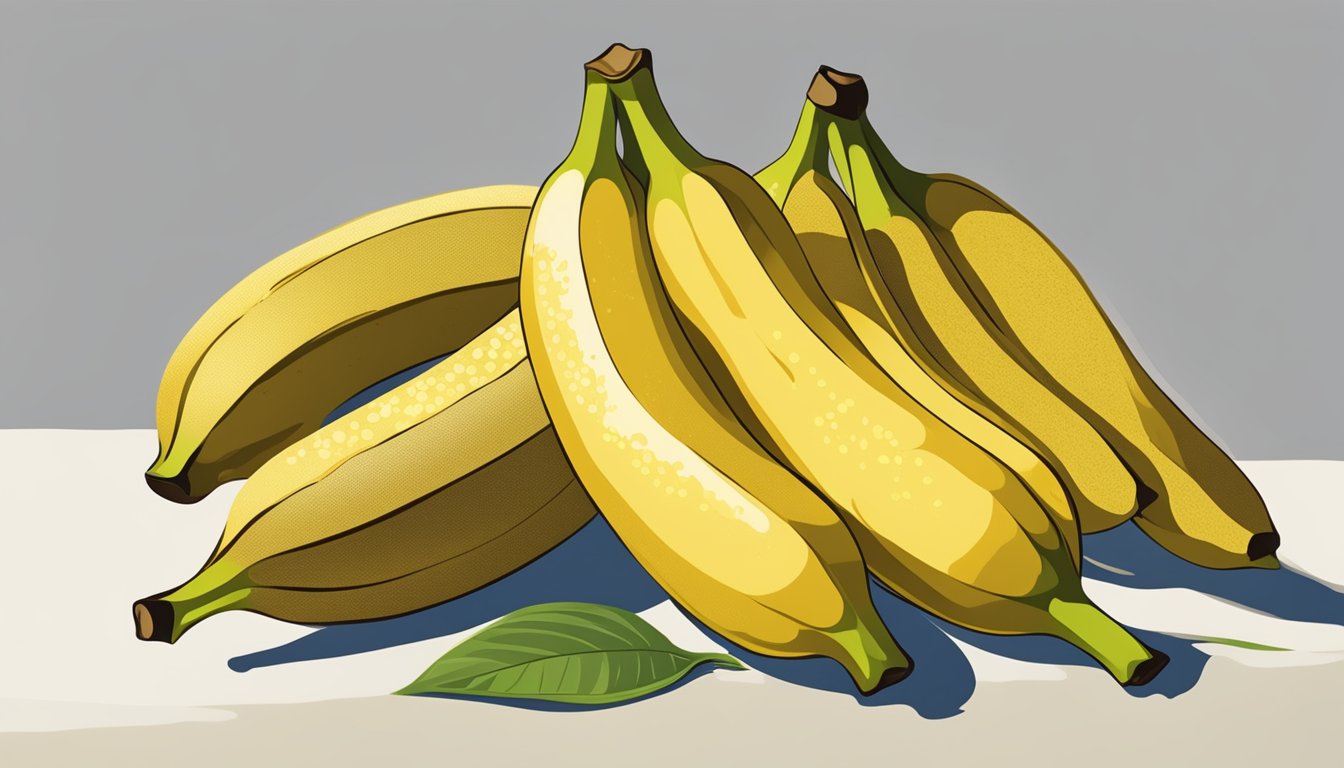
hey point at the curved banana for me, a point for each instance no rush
(938, 520)
(947, 329)
(268, 362)
(441, 486)
(733, 537)
(1205, 510)
(832, 240)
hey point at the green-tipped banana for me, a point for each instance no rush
(273, 357)
(938, 520)
(733, 537)
(441, 486)
(1205, 509)
(832, 240)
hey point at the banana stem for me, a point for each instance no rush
(166, 616)
(806, 152)
(630, 153)
(1083, 624)
(595, 144)
(861, 172)
(658, 139)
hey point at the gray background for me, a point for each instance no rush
(1186, 155)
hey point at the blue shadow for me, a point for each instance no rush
(1282, 593)
(1180, 675)
(941, 681)
(374, 390)
(591, 566)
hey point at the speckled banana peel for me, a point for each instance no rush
(832, 240)
(947, 331)
(939, 521)
(1201, 506)
(272, 358)
(734, 538)
(443, 485)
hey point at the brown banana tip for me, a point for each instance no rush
(1262, 545)
(1148, 669)
(176, 489)
(153, 620)
(841, 94)
(618, 62)
(890, 677)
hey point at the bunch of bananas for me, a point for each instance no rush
(770, 389)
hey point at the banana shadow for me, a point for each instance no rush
(1180, 675)
(591, 566)
(940, 683)
(594, 566)
(1283, 593)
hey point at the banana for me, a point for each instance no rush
(947, 330)
(267, 363)
(733, 537)
(938, 521)
(441, 486)
(1205, 509)
(832, 240)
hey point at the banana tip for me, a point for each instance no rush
(153, 620)
(1148, 668)
(890, 677)
(1263, 545)
(176, 488)
(840, 93)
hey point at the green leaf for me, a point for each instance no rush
(573, 653)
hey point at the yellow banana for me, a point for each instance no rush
(946, 328)
(441, 486)
(938, 520)
(273, 357)
(833, 243)
(734, 538)
(1205, 509)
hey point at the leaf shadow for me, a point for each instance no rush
(591, 566)
(1283, 593)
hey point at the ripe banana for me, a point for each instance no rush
(947, 329)
(1205, 509)
(439, 487)
(832, 240)
(734, 538)
(283, 348)
(938, 520)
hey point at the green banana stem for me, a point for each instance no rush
(594, 146)
(166, 616)
(630, 153)
(659, 141)
(806, 152)
(1083, 624)
(861, 171)
(893, 168)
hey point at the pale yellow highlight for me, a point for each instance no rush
(374, 423)
(653, 474)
